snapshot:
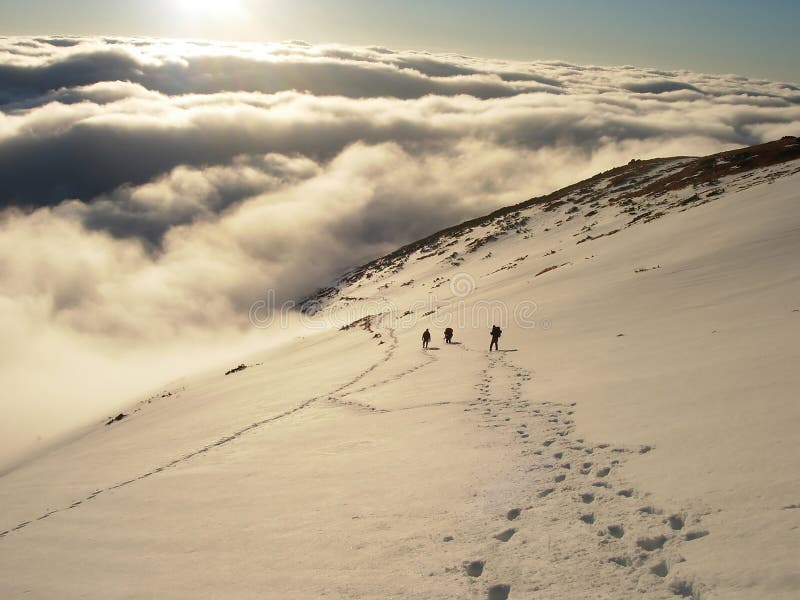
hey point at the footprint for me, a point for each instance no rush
(587, 498)
(695, 535)
(559, 478)
(652, 543)
(513, 514)
(682, 588)
(499, 592)
(622, 561)
(616, 531)
(588, 518)
(506, 535)
(474, 568)
(661, 569)
(676, 522)
(626, 493)
(558, 455)
(603, 472)
(546, 492)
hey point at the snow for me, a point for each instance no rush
(643, 423)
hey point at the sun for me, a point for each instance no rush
(218, 9)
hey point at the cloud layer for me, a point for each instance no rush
(154, 189)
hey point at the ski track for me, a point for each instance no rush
(339, 399)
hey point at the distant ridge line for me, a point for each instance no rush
(699, 170)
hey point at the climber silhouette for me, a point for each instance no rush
(496, 333)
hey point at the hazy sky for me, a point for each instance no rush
(731, 36)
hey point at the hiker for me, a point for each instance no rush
(448, 335)
(426, 337)
(496, 333)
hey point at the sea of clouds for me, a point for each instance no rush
(152, 190)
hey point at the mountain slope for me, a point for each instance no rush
(637, 434)
(643, 189)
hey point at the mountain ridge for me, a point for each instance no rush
(686, 171)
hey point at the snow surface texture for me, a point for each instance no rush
(636, 435)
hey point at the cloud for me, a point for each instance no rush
(329, 72)
(659, 86)
(152, 190)
(112, 134)
(186, 195)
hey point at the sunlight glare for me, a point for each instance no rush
(218, 9)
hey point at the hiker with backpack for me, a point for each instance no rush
(495, 333)
(426, 337)
(448, 335)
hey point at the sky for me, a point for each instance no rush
(758, 39)
(154, 190)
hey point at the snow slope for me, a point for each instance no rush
(636, 436)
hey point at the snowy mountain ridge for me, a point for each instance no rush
(641, 191)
